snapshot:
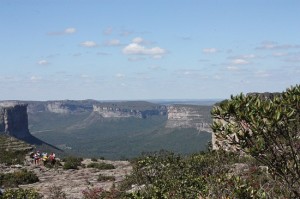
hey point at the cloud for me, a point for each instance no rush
(209, 50)
(217, 77)
(88, 44)
(119, 75)
(232, 68)
(239, 62)
(262, 74)
(247, 56)
(191, 74)
(138, 40)
(135, 59)
(113, 42)
(70, 30)
(43, 62)
(156, 68)
(35, 78)
(279, 54)
(84, 76)
(187, 37)
(137, 49)
(293, 59)
(102, 53)
(126, 33)
(67, 31)
(271, 45)
(77, 54)
(108, 31)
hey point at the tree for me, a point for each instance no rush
(267, 129)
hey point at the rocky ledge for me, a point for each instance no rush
(72, 182)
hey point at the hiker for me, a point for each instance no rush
(37, 157)
(44, 158)
(52, 158)
(31, 156)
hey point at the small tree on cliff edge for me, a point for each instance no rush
(266, 129)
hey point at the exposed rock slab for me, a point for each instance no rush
(73, 182)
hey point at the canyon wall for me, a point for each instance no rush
(189, 116)
(14, 120)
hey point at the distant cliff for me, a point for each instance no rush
(189, 116)
(61, 106)
(129, 109)
(14, 120)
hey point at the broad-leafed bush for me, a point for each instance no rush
(72, 162)
(268, 129)
(101, 166)
(18, 178)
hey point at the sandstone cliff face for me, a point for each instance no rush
(61, 107)
(123, 111)
(14, 120)
(189, 116)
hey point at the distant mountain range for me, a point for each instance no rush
(120, 129)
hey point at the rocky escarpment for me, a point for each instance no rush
(61, 107)
(189, 116)
(14, 120)
(129, 109)
(14, 123)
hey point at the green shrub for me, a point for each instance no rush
(94, 159)
(20, 194)
(18, 178)
(102, 178)
(205, 175)
(101, 166)
(266, 128)
(12, 157)
(72, 163)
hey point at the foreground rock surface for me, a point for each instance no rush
(73, 182)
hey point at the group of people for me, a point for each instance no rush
(44, 157)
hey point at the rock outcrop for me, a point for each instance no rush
(189, 116)
(72, 182)
(61, 107)
(128, 109)
(14, 120)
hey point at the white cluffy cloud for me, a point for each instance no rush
(209, 50)
(43, 62)
(88, 44)
(136, 48)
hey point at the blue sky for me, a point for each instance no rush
(158, 49)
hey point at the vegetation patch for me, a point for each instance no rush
(102, 178)
(101, 166)
(72, 162)
(20, 193)
(18, 178)
(12, 157)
